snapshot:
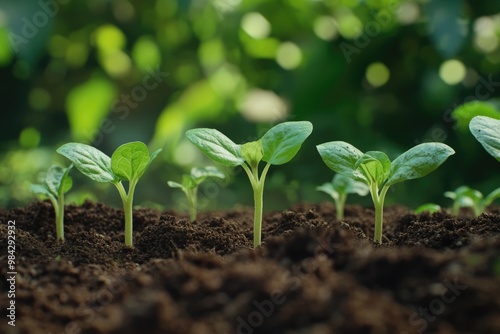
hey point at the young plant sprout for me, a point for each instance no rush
(128, 163)
(338, 189)
(376, 170)
(464, 196)
(278, 146)
(190, 183)
(487, 132)
(427, 207)
(57, 182)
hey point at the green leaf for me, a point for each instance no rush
(172, 184)
(427, 207)
(356, 187)
(487, 132)
(189, 182)
(252, 153)
(341, 157)
(89, 161)
(216, 146)
(375, 166)
(329, 189)
(58, 180)
(204, 172)
(130, 161)
(418, 161)
(42, 190)
(282, 142)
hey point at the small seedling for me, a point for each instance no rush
(487, 132)
(338, 189)
(376, 170)
(190, 183)
(278, 146)
(128, 163)
(427, 207)
(464, 196)
(57, 182)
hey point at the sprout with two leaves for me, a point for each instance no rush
(378, 172)
(464, 196)
(339, 188)
(278, 146)
(128, 163)
(190, 183)
(57, 182)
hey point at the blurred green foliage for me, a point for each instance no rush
(381, 74)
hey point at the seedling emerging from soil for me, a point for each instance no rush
(427, 207)
(376, 170)
(487, 132)
(278, 146)
(338, 189)
(467, 197)
(57, 182)
(190, 183)
(128, 163)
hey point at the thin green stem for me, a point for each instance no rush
(127, 200)
(193, 203)
(258, 198)
(340, 204)
(379, 213)
(60, 217)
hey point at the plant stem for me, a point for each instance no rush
(378, 201)
(128, 202)
(340, 204)
(191, 195)
(60, 217)
(258, 197)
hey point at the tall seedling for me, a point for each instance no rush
(278, 146)
(128, 163)
(376, 170)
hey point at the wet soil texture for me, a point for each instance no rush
(434, 273)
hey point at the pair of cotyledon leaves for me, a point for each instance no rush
(56, 182)
(487, 132)
(278, 145)
(128, 162)
(375, 167)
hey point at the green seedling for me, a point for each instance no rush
(190, 183)
(464, 196)
(376, 170)
(57, 182)
(339, 188)
(487, 132)
(128, 163)
(427, 207)
(278, 146)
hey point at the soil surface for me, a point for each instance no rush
(433, 274)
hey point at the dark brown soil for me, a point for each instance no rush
(433, 274)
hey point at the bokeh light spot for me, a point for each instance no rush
(29, 138)
(289, 56)
(256, 25)
(377, 74)
(452, 71)
(325, 28)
